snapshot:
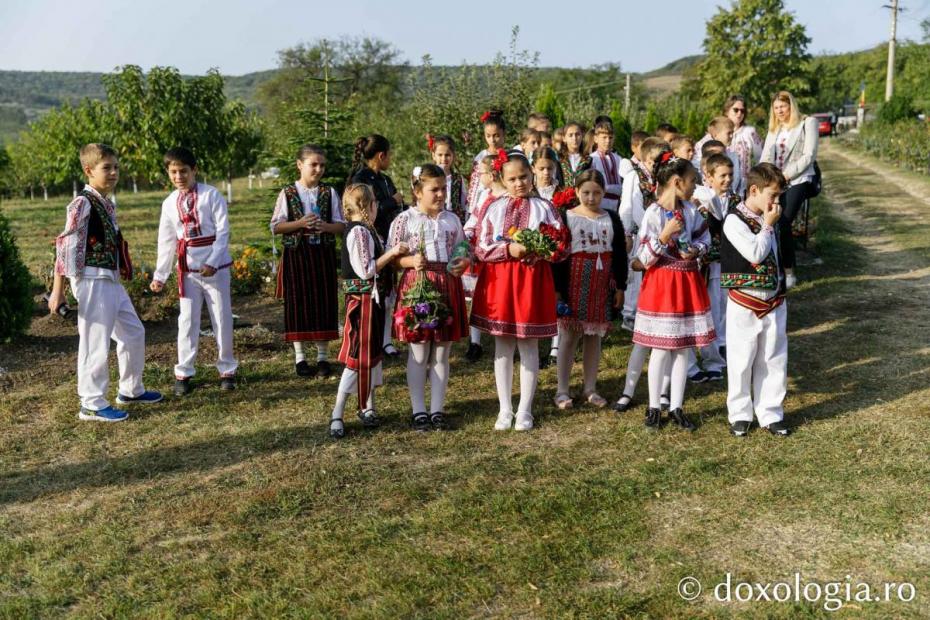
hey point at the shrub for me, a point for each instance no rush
(250, 272)
(16, 304)
(904, 143)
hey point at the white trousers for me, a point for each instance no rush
(104, 312)
(757, 364)
(214, 291)
(710, 354)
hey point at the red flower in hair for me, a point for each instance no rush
(430, 142)
(667, 155)
(501, 159)
(565, 198)
(486, 117)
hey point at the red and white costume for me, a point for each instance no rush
(611, 166)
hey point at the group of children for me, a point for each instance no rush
(552, 239)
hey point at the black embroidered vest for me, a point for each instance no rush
(295, 211)
(737, 272)
(103, 238)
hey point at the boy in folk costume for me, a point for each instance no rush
(753, 273)
(92, 254)
(195, 227)
(308, 215)
(608, 163)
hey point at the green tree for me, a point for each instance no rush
(16, 303)
(547, 102)
(754, 48)
(623, 130)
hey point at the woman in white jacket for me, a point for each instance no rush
(791, 145)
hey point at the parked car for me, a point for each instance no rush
(824, 123)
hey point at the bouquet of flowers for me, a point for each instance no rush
(544, 243)
(565, 199)
(422, 307)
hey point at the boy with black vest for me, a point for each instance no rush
(92, 254)
(194, 227)
(753, 273)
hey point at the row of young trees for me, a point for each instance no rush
(142, 116)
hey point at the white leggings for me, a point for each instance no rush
(634, 369)
(568, 343)
(504, 349)
(428, 359)
(663, 362)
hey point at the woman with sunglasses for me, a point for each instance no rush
(745, 142)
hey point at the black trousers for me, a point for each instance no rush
(791, 201)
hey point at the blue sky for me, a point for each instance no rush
(240, 36)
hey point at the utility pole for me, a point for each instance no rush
(626, 96)
(889, 79)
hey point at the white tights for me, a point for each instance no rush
(347, 388)
(663, 362)
(634, 369)
(568, 343)
(428, 359)
(504, 348)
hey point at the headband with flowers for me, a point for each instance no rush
(501, 159)
(667, 157)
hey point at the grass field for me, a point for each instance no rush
(239, 505)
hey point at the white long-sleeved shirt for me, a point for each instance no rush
(651, 249)
(505, 212)
(753, 247)
(210, 217)
(308, 200)
(609, 165)
(440, 234)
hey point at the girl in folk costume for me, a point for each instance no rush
(308, 215)
(515, 295)
(572, 158)
(558, 139)
(442, 150)
(194, 227)
(491, 190)
(363, 258)
(545, 172)
(494, 130)
(529, 142)
(437, 237)
(372, 159)
(674, 310)
(590, 281)
(605, 161)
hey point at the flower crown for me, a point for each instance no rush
(501, 160)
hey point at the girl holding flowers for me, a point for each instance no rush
(431, 311)
(517, 237)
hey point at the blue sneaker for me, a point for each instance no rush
(145, 398)
(110, 414)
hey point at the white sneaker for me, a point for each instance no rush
(791, 280)
(504, 421)
(524, 421)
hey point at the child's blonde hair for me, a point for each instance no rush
(720, 123)
(91, 154)
(785, 97)
(680, 140)
(356, 203)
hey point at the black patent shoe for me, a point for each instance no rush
(678, 417)
(474, 353)
(623, 403)
(420, 422)
(182, 387)
(438, 421)
(653, 418)
(740, 428)
(779, 429)
(323, 369)
(369, 418)
(303, 369)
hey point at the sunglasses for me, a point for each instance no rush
(740, 110)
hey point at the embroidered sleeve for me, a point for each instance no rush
(651, 249)
(398, 232)
(221, 224)
(280, 211)
(361, 252)
(71, 244)
(167, 242)
(754, 248)
(491, 249)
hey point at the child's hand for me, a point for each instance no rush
(618, 299)
(771, 214)
(311, 221)
(401, 249)
(458, 266)
(55, 299)
(207, 271)
(672, 227)
(419, 262)
(690, 253)
(637, 265)
(517, 250)
(156, 286)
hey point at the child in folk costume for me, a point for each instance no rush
(545, 172)
(752, 271)
(590, 281)
(92, 254)
(308, 215)
(363, 258)
(491, 190)
(371, 161)
(558, 139)
(721, 129)
(673, 313)
(194, 228)
(494, 131)
(515, 295)
(539, 122)
(442, 150)
(605, 161)
(683, 147)
(572, 158)
(436, 236)
(711, 200)
(529, 142)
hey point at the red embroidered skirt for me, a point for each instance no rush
(307, 282)
(673, 311)
(362, 333)
(590, 294)
(515, 299)
(453, 295)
